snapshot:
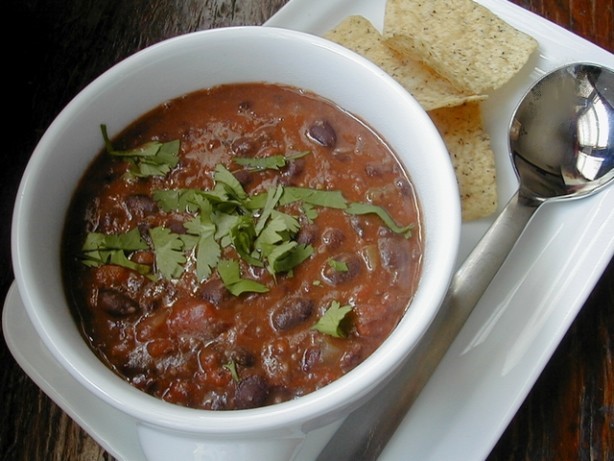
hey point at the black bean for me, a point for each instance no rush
(358, 225)
(243, 176)
(244, 106)
(141, 205)
(403, 185)
(143, 228)
(392, 255)
(307, 234)
(322, 133)
(214, 291)
(244, 147)
(116, 303)
(251, 392)
(292, 171)
(333, 237)
(291, 312)
(310, 358)
(351, 358)
(175, 225)
(374, 170)
(241, 357)
(335, 276)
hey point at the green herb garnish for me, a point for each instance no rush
(272, 162)
(339, 266)
(322, 198)
(99, 249)
(231, 366)
(288, 255)
(168, 247)
(332, 322)
(208, 250)
(225, 216)
(230, 273)
(150, 159)
(368, 208)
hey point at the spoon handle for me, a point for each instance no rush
(364, 434)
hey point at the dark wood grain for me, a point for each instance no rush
(56, 47)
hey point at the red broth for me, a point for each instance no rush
(182, 282)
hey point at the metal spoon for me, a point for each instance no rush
(562, 147)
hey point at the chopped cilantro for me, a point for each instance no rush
(168, 247)
(272, 162)
(99, 249)
(129, 241)
(287, 256)
(273, 196)
(323, 198)
(229, 183)
(331, 323)
(230, 273)
(208, 250)
(150, 159)
(225, 216)
(242, 235)
(231, 366)
(368, 208)
(339, 266)
(281, 227)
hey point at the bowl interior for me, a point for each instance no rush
(192, 62)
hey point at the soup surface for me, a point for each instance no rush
(241, 246)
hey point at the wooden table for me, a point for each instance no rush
(57, 47)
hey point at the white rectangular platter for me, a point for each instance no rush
(513, 331)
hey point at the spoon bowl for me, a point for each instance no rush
(561, 136)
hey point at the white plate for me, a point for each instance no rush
(513, 331)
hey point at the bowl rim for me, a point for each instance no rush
(325, 401)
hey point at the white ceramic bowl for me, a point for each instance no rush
(175, 67)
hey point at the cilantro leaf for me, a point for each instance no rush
(230, 184)
(272, 162)
(230, 274)
(188, 200)
(208, 250)
(208, 253)
(368, 208)
(242, 236)
(99, 249)
(287, 256)
(152, 158)
(323, 198)
(129, 241)
(331, 323)
(273, 196)
(280, 227)
(339, 266)
(231, 366)
(168, 248)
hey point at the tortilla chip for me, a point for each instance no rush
(472, 157)
(460, 39)
(430, 90)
